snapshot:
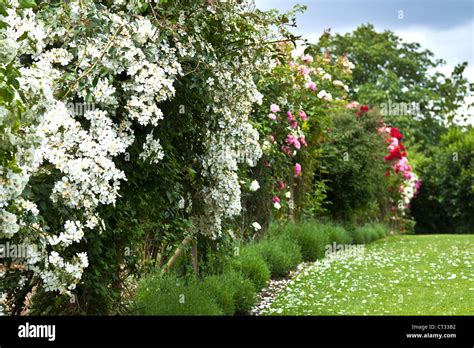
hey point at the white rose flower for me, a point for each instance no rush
(254, 186)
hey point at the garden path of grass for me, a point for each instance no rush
(398, 275)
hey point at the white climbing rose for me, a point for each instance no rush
(254, 186)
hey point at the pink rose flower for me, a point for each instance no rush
(303, 140)
(290, 139)
(303, 115)
(307, 58)
(297, 144)
(352, 105)
(297, 169)
(274, 108)
(281, 185)
(311, 85)
(272, 116)
(303, 70)
(276, 199)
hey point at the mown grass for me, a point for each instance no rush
(399, 275)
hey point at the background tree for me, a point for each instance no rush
(354, 168)
(446, 203)
(390, 71)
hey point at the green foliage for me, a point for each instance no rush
(170, 295)
(222, 289)
(285, 87)
(252, 265)
(234, 291)
(388, 69)
(355, 167)
(446, 200)
(368, 233)
(336, 233)
(225, 294)
(280, 253)
(146, 224)
(245, 295)
(343, 173)
(310, 237)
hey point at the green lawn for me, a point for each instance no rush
(399, 275)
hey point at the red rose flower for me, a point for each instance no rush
(394, 132)
(395, 153)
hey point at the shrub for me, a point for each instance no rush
(380, 230)
(252, 265)
(337, 233)
(310, 238)
(222, 291)
(169, 295)
(359, 235)
(244, 293)
(446, 199)
(354, 187)
(368, 233)
(280, 253)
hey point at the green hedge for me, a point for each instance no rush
(226, 294)
(222, 291)
(281, 254)
(245, 293)
(337, 233)
(368, 233)
(310, 238)
(252, 265)
(171, 295)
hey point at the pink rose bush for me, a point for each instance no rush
(297, 105)
(404, 183)
(397, 157)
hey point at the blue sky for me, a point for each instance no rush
(445, 27)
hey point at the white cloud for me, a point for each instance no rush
(454, 45)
